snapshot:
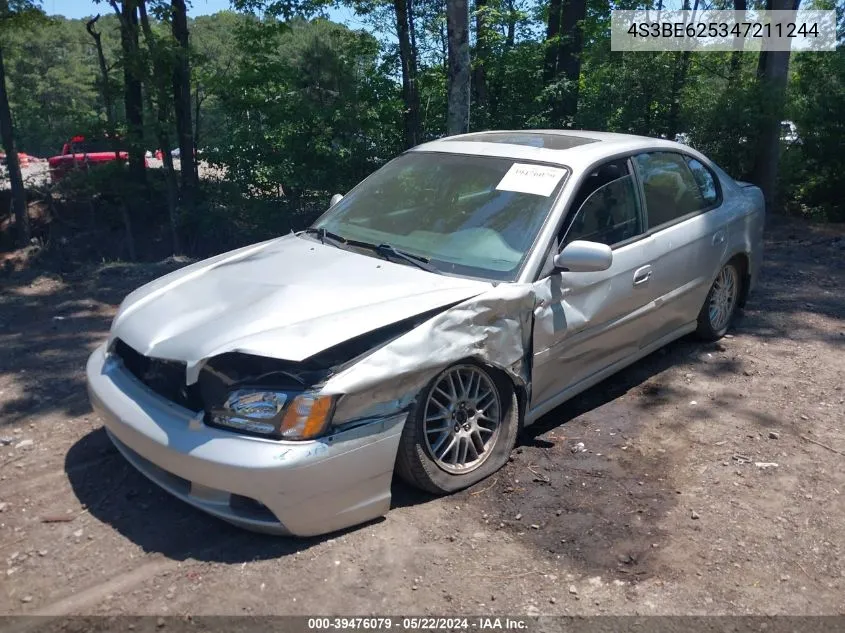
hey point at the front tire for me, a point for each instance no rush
(461, 430)
(719, 308)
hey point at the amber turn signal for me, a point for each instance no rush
(306, 417)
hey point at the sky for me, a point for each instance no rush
(85, 8)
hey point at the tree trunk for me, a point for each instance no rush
(569, 58)
(679, 76)
(133, 97)
(197, 103)
(160, 71)
(182, 101)
(444, 47)
(132, 92)
(552, 41)
(511, 32)
(678, 79)
(479, 75)
(105, 89)
(410, 97)
(7, 135)
(457, 79)
(197, 108)
(761, 60)
(773, 71)
(736, 56)
(412, 32)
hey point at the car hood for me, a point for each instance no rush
(287, 298)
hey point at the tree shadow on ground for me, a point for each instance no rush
(49, 324)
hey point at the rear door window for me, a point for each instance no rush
(671, 190)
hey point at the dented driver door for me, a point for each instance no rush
(588, 322)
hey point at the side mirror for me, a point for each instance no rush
(581, 256)
(335, 199)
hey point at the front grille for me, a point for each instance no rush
(164, 377)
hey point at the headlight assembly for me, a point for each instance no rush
(278, 414)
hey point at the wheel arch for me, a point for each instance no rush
(504, 379)
(742, 260)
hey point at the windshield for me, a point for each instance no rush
(468, 215)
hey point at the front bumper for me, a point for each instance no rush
(302, 488)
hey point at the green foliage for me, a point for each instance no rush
(817, 109)
(52, 72)
(307, 109)
(723, 116)
(291, 110)
(216, 58)
(18, 14)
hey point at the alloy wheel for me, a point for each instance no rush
(723, 298)
(462, 419)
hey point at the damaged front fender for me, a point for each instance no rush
(494, 328)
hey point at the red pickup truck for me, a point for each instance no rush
(80, 153)
(23, 159)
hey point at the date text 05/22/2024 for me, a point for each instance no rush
(479, 623)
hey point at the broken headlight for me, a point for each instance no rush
(278, 414)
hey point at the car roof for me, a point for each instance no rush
(577, 149)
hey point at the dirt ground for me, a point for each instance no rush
(712, 481)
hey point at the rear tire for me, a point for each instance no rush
(460, 430)
(719, 308)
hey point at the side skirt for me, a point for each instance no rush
(544, 407)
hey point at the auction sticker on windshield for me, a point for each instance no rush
(535, 179)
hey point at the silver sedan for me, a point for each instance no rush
(457, 294)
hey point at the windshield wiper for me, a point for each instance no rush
(385, 250)
(322, 235)
(417, 260)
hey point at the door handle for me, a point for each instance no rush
(719, 238)
(642, 275)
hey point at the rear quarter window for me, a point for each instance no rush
(705, 180)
